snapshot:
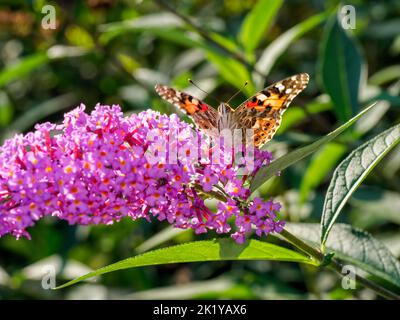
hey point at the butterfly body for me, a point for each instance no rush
(262, 113)
(225, 117)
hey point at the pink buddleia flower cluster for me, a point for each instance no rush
(98, 168)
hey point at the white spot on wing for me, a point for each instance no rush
(280, 86)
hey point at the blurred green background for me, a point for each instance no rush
(115, 51)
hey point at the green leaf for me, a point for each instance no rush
(200, 251)
(355, 246)
(279, 46)
(22, 68)
(394, 100)
(157, 21)
(285, 161)
(392, 242)
(392, 163)
(42, 110)
(79, 37)
(351, 172)
(232, 71)
(341, 66)
(225, 42)
(371, 206)
(373, 118)
(321, 164)
(30, 63)
(295, 114)
(6, 110)
(256, 23)
(158, 24)
(128, 62)
(180, 37)
(385, 75)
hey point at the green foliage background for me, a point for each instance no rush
(113, 52)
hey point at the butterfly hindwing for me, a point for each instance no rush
(204, 116)
(263, 112)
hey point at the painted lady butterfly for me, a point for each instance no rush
(262, 113)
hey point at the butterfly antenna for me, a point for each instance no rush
(211, 96)
(237, 92)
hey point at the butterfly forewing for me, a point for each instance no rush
(204, 116)
(263, 112)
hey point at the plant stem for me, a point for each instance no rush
(335, 265)
(300, 244)
(338, 267)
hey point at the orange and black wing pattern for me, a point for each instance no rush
(204, 116)
(263, 112)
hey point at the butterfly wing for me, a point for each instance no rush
(263, 112)
(204, 116)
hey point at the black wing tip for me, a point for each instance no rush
(304, 76)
